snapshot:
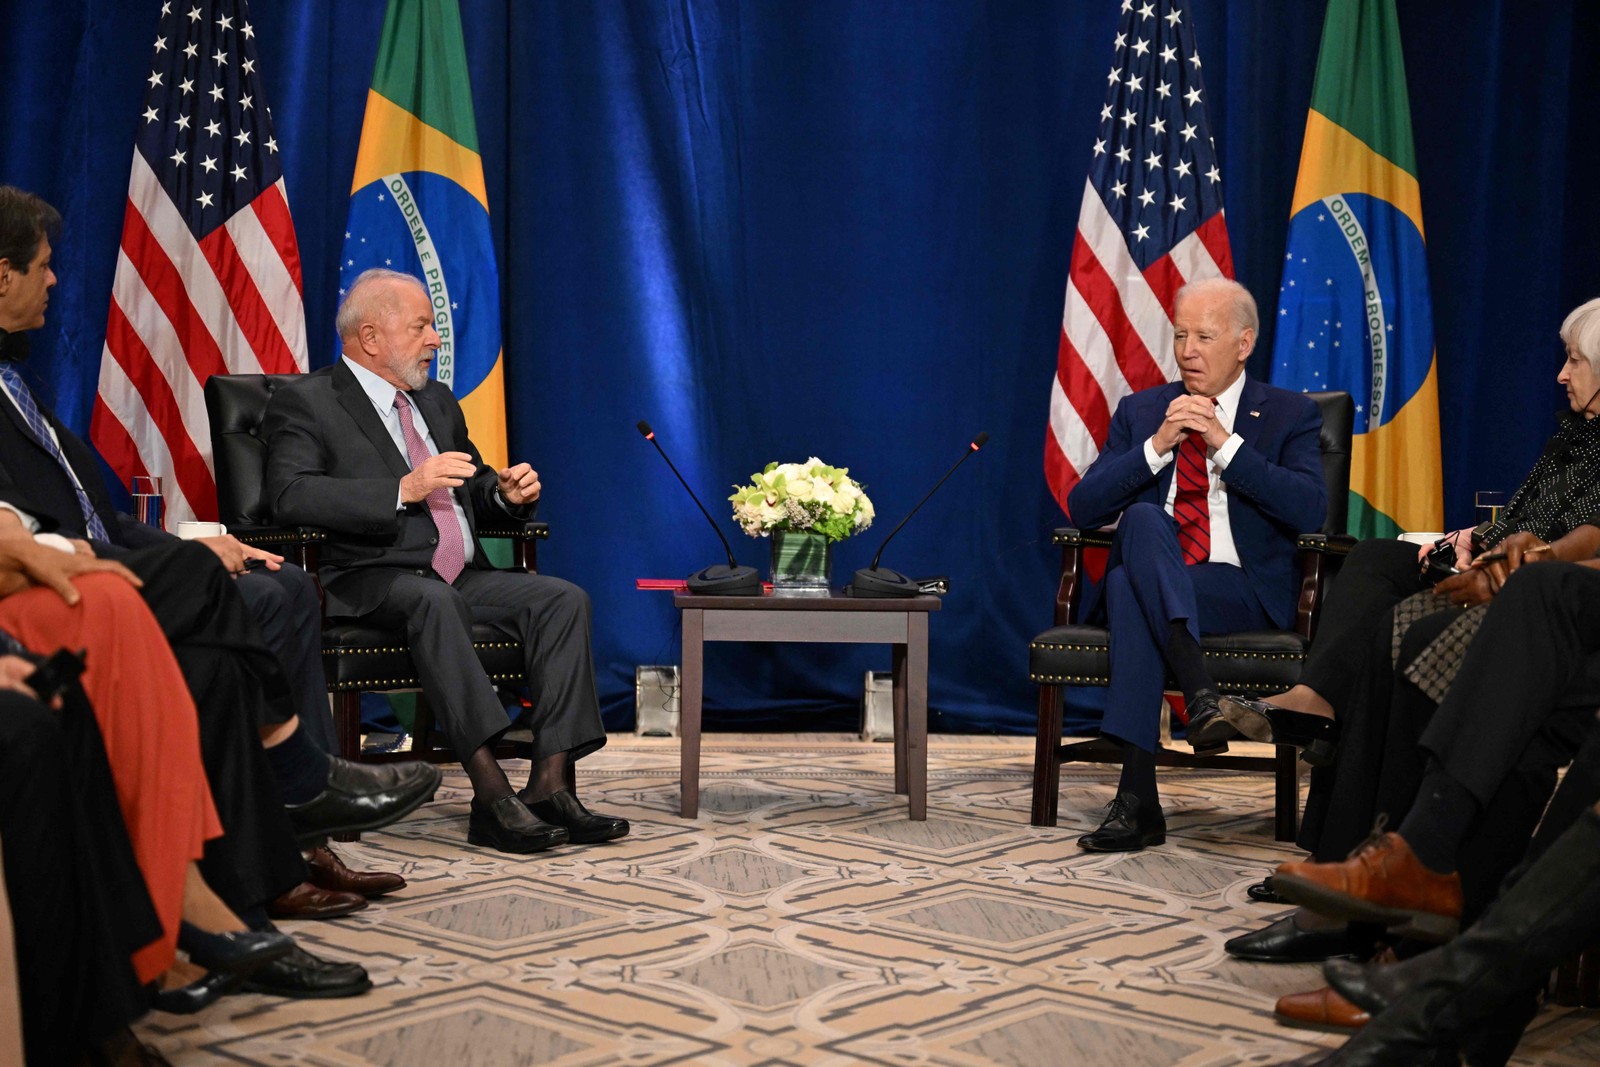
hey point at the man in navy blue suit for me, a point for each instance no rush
(1210, 479)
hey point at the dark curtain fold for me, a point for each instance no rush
(841, 228)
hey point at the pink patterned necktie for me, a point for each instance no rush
(451, 555)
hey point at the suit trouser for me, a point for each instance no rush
(1147, 589)
(237, 683)
(549, 617)
(1376, 576)
(1532, 663)
(1379, 768)
(78, 901)
(285, 606)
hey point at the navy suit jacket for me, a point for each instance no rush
(1275, 486)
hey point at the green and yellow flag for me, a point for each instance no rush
(418, 204)
(1354, 310)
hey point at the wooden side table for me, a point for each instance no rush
(833, 619)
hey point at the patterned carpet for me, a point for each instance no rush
(802, 919)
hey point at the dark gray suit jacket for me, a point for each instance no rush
(332, 464)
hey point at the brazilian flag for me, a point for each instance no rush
(418, 204)
(1354, 311)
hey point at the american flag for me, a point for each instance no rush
(1151, 220)
(208, 275)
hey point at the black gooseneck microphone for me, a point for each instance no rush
(881, 582)
(717, 580)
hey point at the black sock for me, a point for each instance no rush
(1139, 775)
(300, 767)
(489, 782)
(255, 917)
(1439, 820)
(1186, 661)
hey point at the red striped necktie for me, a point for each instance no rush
(1190, 506)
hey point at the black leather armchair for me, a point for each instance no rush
(357, 658)
(1252, 663)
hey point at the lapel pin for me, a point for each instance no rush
(1255, 414)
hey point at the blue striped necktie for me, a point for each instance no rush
(39, 429)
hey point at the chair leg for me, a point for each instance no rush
(347, 732)
(422, 728)
(1286, 791)
(347, 724)
(1047, 758)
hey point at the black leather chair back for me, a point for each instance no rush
(1338, 425)
(235, 406)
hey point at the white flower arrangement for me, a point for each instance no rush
(802, 496)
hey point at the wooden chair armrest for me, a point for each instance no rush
(1068, 535)
(524, 538)
(1321, 556)
(1328, 544)
(1073, 541)
(516, 531)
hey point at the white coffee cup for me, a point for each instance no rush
(191, 529)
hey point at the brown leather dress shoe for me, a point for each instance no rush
(306, 901)
(329, 872)
(1381, 882)
(1321, 1009)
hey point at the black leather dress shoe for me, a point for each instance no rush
(1208, 731)
(1317, 736)
(363, 796)
(306, 977)
(197, 995)
(234, 951)
(584, 827)
(1263, 893)
(508, 826)
(1376, 985)
(1128, 827)
(1284, 942)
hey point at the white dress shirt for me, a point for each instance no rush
(29, 522)
(381, 393)
(1223, 549)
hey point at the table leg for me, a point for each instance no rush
(689, 712)
(917, 713)
(899, 697)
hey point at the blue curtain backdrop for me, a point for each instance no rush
(841, 227)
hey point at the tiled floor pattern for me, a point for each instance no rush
(802, 919)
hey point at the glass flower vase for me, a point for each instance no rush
(801, 562)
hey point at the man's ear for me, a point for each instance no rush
(5, 275)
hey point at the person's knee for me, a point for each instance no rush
(29, 732)
(1139, 523)
(1539, 582)
(268, 603)
(434, 600)
(563, 599)
(301, 587)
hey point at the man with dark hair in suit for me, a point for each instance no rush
(271, 783)
(373, 451)
(1210, 479)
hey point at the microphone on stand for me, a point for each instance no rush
(717, 580)
(883, 583)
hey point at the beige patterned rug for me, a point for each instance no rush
(801, 919)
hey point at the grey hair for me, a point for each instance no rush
(367, 301)
(1244, 305)
(1581, 330)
